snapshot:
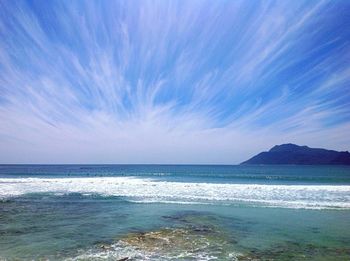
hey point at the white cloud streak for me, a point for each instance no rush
(168, 82)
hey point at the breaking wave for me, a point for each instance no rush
(143, 190)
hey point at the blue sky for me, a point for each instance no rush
(171, 81)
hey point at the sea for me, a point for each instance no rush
(174, 212)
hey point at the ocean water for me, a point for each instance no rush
(174, 212)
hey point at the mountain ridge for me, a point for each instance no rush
(299, 155)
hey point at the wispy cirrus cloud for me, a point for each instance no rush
(171, 81)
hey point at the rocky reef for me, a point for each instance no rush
(200, 237)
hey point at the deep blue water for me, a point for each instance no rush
(262, 174)
(174, 212)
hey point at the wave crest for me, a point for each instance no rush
(148, 190)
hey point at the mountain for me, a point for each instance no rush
(300, 155)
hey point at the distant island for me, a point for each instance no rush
(300, 155)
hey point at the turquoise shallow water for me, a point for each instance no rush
(174, 212)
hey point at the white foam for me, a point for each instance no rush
(121, 250)
(148, 190)
(173, 245)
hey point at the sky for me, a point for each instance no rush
(203, 82)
